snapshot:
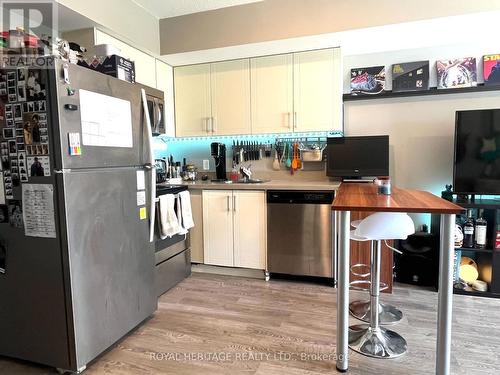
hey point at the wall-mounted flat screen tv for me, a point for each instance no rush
(352, 157)
(477, 152)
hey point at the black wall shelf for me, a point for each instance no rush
(431, 91)
(476, 293)
(481, 250)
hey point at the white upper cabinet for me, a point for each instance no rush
(230, 95)
(272, 93)
(317, 90)
(193, 110)
(297, 92)
(145, 65)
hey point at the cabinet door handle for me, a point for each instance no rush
(207, 129)
(227, 201)
(214, 127)
(234, 203)
(289, 115)
(295, 123)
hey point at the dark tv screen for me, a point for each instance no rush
(477, 152)
(358, 156)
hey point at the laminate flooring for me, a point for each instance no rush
(213, 324)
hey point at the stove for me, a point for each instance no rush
(172, 254)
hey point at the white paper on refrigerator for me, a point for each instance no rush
(38, 210)
(106, 120)
(141, 180)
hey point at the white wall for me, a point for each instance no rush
(421, 133)
(165, 82)
(421, 129)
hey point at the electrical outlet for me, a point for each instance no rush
(206, 165)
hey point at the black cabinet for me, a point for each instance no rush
(487, 259)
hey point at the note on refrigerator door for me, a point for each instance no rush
(141, 198)
(38, 210)
(141, 180)
(106, 120)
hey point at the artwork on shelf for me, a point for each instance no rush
(368, 81)
(411, 76)
(491, 69)
(456, 73)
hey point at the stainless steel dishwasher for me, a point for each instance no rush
(299, 239)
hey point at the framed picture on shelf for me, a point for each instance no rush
(411, 76)
(491, 69)
(456, 73)
(368, 81)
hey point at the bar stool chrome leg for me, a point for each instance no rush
(387, 314)
(373, 340)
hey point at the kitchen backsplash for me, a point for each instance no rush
(195, 150)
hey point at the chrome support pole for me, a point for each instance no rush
(335, 248)
(375, 284)
(343, 291)
(445, 297)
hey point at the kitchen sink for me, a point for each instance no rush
(248, 181)
(252, 181)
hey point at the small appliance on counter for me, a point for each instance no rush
(161, 170)
(218, 151)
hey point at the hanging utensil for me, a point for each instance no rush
(276, 162)
(288, 163)
(295, 160)
(299, 161)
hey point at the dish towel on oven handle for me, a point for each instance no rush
(178, 209)
(186, 212)
(169, 223)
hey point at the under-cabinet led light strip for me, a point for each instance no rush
(253, 136)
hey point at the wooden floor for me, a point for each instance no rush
(211, 324)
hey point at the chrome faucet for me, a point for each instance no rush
(246, 172)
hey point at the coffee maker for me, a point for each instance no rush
(218, 151)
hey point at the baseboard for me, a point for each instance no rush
(228, 271)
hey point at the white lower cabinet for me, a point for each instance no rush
(234, 228)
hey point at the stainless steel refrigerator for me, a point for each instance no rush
(76, 257)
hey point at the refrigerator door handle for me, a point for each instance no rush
(151, 162)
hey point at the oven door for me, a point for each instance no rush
(170, 247)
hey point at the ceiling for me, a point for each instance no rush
(174, 8)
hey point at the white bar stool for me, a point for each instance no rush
(387, 314)
(372, 339)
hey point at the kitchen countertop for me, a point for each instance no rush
(267, 185)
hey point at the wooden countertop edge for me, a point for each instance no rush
(419, 210)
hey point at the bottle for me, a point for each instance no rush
(497, 240)
(469, 230)
(480, 230)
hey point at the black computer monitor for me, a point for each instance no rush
(356, 157)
